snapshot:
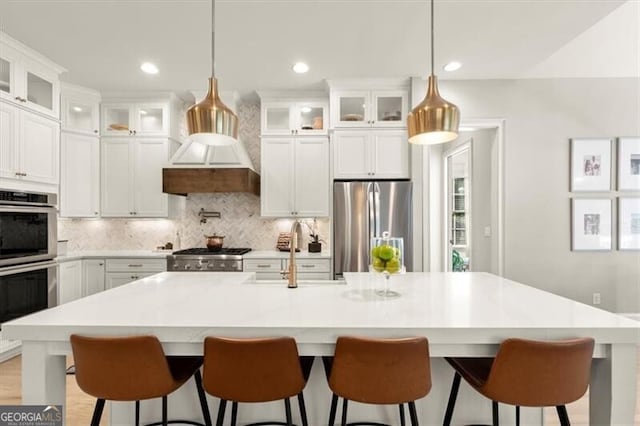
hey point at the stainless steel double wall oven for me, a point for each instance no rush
(28, 247)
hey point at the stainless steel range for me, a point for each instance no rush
(202, 260)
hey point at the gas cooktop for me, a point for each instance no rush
(203, 251)
(203, 259)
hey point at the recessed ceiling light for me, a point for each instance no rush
(452, 66)
(149, 68)
(77, 109)
(143, 112)
(300, 67)
(305, 109)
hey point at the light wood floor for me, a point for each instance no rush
(80, 405)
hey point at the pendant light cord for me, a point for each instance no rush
(432, 40)
(213, 38)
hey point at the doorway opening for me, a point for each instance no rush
(457, 190)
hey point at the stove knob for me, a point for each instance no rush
(210, 266)
(222, 265)
(198, 266)
(187, 267)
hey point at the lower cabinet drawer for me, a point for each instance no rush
(314, 276)
(136, 264)
(262, 265)
(116, 279)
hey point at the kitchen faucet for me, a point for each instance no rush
(292, 271)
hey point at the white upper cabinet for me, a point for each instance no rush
(294, 118)
(369, 103)
(370, 154)
(140, 119)
(132, 177)
(284, 113)
(29, 79)
(29, 148)
(80, 110)
(295, 176)
(79, 175)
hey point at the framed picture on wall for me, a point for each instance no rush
(629, 223)
(591, 164)
(591, 224)
(629, 164)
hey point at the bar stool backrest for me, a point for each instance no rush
(536, 374)
(252, 370)
(381, 371)
(127, 368)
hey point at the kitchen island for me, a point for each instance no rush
(462, 314)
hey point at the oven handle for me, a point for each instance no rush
(18, 269)
(27, 209)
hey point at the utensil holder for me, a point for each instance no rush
(315, 247)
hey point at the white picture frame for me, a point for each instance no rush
(591, 224)
(629, 164)
(591, 164)
(629, 223)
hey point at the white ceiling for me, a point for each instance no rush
(102, 43)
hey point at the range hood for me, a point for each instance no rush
(197, 168)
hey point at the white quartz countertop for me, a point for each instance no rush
(101, 254)
(448, 308)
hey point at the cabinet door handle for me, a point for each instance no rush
(135, 265)
(100, 264)
(263, 266)
(307, 266)
(95, 213)
(95, 131)
(134, 277)
(135, 132)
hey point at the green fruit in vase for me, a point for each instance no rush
(386, 252)
(393, 266)
(378, 264)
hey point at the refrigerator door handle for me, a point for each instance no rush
(376, 206)
(371, 211)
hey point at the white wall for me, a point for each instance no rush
(541, 116)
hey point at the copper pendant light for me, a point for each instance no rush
(434, 120)
(210, 121)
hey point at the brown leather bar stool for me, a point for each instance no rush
(379, 371)
(133, 368)
(527, 373)
(254, 370)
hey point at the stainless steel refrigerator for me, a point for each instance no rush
(364, 209)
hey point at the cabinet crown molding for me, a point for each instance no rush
(30, 53)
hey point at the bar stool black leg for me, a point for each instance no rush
(137, 413)
(97, 413)
(455, 386)
(287, 410)
(494, 406)
(401, 407)
(221, 408)
(303, 409)
(203, 398)
(517, 415)
(562, 415)
(334, 407)
(164, 411)
(345, 401)
(234, 413)
(413, 414)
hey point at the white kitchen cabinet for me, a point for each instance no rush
(69, 281)
(29, 79)
(93, 273)
(299, 117)
(270, 268)
(135, 119)
(29, 147)
(80, 110)
(295, 177)
(131, 177)
(123, 271)
(79, 175)
(370, 154)
(369, 108)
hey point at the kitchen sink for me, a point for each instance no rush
(301, 283)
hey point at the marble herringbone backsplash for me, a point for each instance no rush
(240, 220)
(240, 223)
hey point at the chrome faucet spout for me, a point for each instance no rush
(296, 235)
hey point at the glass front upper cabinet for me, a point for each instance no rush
(81, 116)
(294, 118)
(151, 120)
(5, 76)
(385, 108)
(39, 91)
(116, 120)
